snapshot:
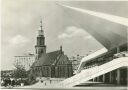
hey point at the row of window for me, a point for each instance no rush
(60, 71)
(28, 58)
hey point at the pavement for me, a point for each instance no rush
(75, 88)
(42, 86)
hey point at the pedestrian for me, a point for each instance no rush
(13, 82)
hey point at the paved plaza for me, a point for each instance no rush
(75, 88)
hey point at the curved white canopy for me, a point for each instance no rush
(109, 30)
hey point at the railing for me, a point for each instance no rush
(121, 54)
(118, 55)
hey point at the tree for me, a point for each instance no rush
(20, 72)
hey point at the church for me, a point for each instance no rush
(53, 64)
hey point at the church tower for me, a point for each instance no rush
(40, 45)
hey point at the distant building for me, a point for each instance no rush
(54, 64)
(25, 60)
(75, 62)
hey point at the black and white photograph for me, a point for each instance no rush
(64, 44)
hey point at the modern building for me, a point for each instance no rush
(53, 64)
(25, 60)
(108, 65)
(115, 76)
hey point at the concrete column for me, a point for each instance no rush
(118, 76)
(103, 77)
(93, 79)
(97, 79)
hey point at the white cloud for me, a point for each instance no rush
(73, 31)
(87, 37)
(18, 40)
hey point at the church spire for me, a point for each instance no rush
(41, 32)
(40, 44)
(61, 48)
(41, 26)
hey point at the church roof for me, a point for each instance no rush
(53, 55)
(49, 58)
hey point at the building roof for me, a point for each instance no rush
(26, 55)
(107, 31)
(49, 58)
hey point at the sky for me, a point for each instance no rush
(21, 21)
